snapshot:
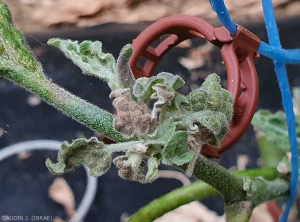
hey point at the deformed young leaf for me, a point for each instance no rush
(90, 153)
(163, 97)
(132, 118)
(214, 122)
(161, 135)
(131, 167)
(176, 150)
(179, 104)
(211, 96)
(90, 58)
(143, 88)
(125, 76)
(138, 164)
(208, 112)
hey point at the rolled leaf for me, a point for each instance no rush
(90, 153)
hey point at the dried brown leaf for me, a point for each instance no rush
(61, 193)
(185, 44)
(197, 57)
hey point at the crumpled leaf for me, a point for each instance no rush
(90, 58)
(164, 98)
(136, 165)
(208, 114)
(274, 127)
(88, 152)
(208, 126)
(211, 96)
(161, 135)
(130, 167)
(143, 88)
(132, 118)
(176, 149)
(173, 143)
(179, 104)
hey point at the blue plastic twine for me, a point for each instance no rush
(281, 74)
(291, 56)
(223, 15)
(280, 57)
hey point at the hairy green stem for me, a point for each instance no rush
(196, 191)
(229, 185)
(71, 105)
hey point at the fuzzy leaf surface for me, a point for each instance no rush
(16, 59)
(90, 58)
(90, 153)
(208, 112)
(161, 135)
(125, 76)
(176, 150)
(143, 88)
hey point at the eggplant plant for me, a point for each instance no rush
(154, 124)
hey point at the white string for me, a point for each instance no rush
(171, 174)
(91, 187)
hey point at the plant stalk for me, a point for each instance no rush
(80, 110)
(229, 185)
(196, 191)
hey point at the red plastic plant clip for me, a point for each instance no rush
(238, 54)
